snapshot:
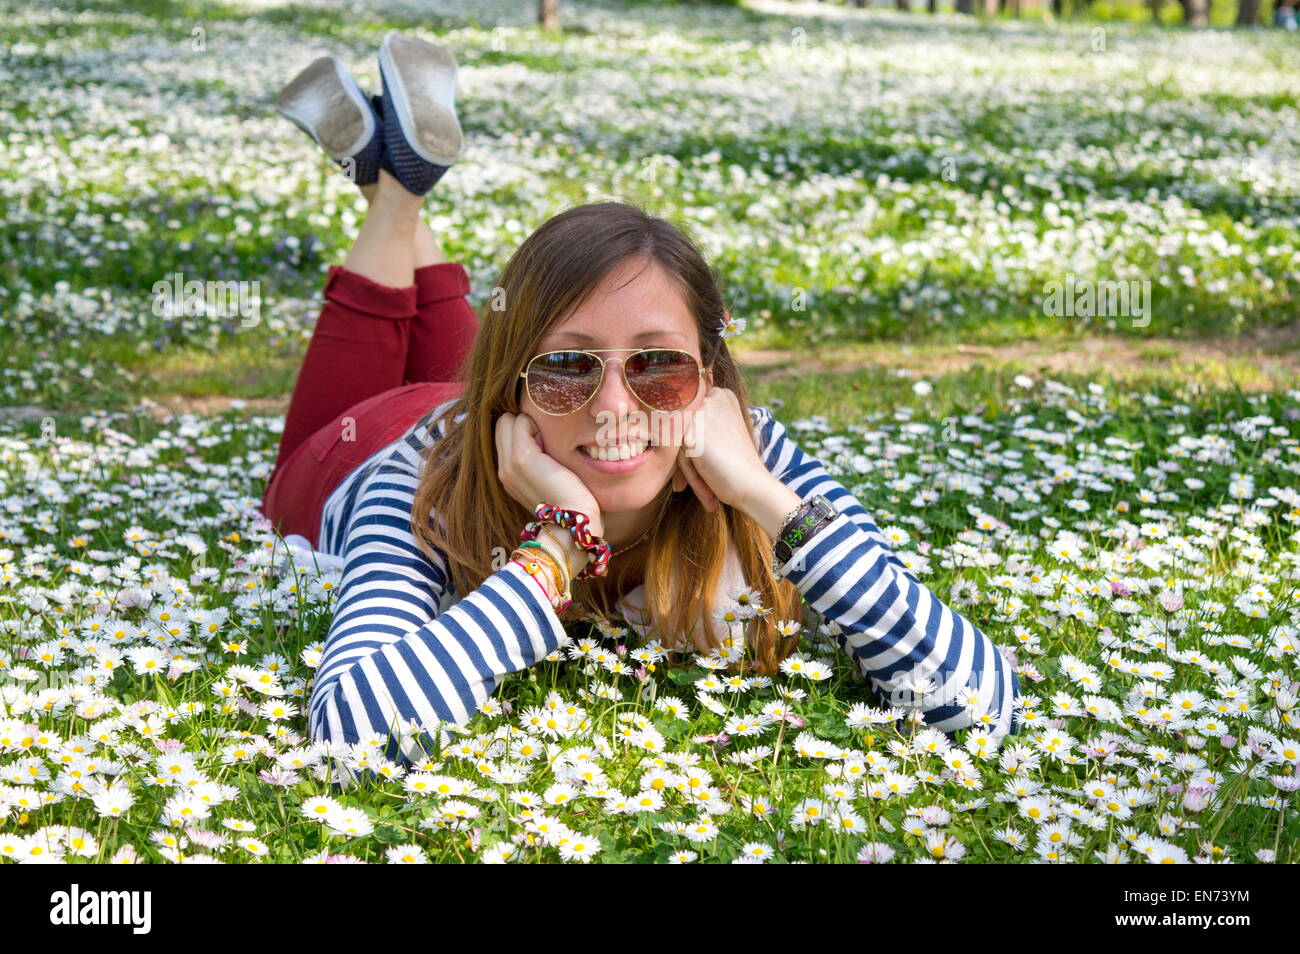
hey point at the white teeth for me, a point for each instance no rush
(622, 452)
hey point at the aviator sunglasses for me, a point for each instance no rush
(561, 382)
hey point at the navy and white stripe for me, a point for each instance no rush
(405, 651)
(894, 628)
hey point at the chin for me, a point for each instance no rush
(624, 499)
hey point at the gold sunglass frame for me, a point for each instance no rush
(597, 352)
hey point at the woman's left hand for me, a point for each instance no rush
(726, 467)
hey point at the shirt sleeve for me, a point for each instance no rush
(898, 633)
(393, 664)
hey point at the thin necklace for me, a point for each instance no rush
(614, 553)
(653, 524)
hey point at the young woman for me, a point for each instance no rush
(420, 442)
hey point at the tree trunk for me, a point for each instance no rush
(903, 4)
(966, 6)
(931, 6)
(548, 15)
(1247, 13)
(990, 8)
(1058, 8)
(1154, 6)
(1196, 13)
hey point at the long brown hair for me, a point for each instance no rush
(555, 269)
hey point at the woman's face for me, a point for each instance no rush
(646, 312)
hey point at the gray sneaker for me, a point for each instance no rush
(328, 105)
(422, 135)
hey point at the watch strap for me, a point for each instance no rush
(807, 520)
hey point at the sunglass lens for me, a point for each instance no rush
(562, 381)
(663, 379)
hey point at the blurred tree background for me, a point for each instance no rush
(1192, 13)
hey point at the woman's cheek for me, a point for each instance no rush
(668, 463)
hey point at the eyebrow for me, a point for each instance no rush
(643, 336)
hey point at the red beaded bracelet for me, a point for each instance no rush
(576, 523)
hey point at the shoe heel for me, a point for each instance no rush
(325, 102)
(423, 80)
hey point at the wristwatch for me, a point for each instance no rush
(802, 524)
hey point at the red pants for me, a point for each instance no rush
(379, 359)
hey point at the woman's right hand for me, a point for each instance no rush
(531, 476)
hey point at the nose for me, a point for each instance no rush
(614, 388)
(613, 392)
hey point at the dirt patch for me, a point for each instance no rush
(1265, 359)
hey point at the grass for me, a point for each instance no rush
(1116, 513)
(142, 500)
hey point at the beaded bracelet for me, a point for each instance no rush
(576, 523)
(530, 543)
(562, 598)
(559, 570)
(533, 568)
(550, 538)
(541, 544)
(554, 566)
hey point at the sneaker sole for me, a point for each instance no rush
(325, 102)
(421, 88)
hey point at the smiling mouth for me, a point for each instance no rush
(621, 452)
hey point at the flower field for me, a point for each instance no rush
(854, 176)
(1135, 554)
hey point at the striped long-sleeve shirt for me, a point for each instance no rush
(405, 651)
